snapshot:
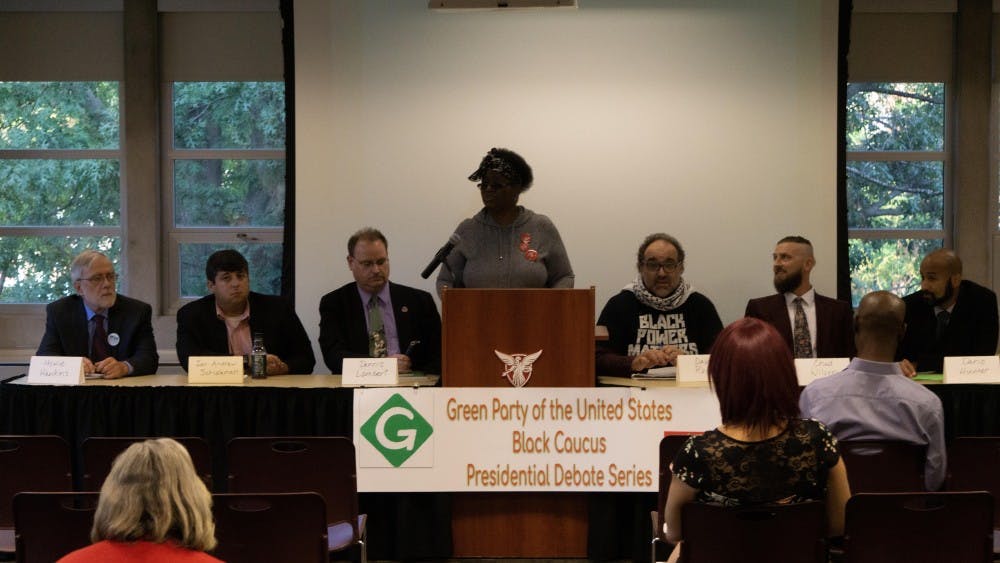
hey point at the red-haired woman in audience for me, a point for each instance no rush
(153, 507)
(763, 453)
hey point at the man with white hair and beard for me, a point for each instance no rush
(656, 317)
(949, 316)
(814, 326)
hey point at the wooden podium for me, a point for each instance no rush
(476, 324)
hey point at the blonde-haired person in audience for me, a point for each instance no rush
(153, 507)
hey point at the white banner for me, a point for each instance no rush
(527, 439)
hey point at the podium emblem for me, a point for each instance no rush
(517, 367)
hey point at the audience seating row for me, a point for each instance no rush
(889, 517)
(246, 519)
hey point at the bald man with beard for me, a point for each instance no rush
(949, 316)
(872, 399)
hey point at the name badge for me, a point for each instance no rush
(692, 368)
(972, 369)
(56, 370)
(371, 371)
(811, 369)
(215, 370)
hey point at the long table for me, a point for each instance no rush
(409, 526)
(400, 526)
(969, 409)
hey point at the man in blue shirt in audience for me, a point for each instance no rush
(871, 399)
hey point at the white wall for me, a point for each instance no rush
(711, 120)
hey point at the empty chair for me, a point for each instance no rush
(29, 463)
(956, 527)
(50, 525)
(100, 452)
(270, 527)
(792, 533)
(669, 445)
(883, 466)
(973, 466)
(325, 465)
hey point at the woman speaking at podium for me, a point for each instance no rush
(505, 244)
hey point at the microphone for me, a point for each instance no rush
(441, 255)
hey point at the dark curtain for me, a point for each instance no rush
(843, 47)
(288, 242)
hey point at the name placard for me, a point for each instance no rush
(692, 368)
(371, 371)
(56, 370)
(811, 369)
(972, 369)
(215, 370)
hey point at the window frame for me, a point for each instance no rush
(174, 236)
(946, 233)
(119, 231)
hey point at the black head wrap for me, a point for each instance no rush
(498, 160)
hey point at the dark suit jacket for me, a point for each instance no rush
(972, 330)
(67, 334)
(343, 332)
(200, 332)
(834, 323)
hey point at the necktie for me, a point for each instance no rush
(943, 318)
(800, 332)
(376, 331)
(99, 346)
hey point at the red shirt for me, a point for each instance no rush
(139, 552)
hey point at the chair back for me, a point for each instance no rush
(324, 465)
(884, 466)
(792, 533)
(919, 527)
(270, 527)
(99, 454)
(669, 446)
(973, 466)
(31, 463)
(50, 525)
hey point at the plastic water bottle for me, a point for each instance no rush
(258, 357)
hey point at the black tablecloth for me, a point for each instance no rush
(401, 526)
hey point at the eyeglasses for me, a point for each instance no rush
(652, 266)
(366, 264)
(101, 278)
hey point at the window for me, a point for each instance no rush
(225, 173)
(60, 183)
(896, 176)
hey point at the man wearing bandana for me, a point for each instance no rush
(656, 317)
(113, 333)
(949, 316)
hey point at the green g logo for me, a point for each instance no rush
(396, 430)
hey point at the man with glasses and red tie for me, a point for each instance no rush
(113, 333)
(814, 326)
(656, 317)
(372, 317)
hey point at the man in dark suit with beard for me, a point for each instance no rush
(373, 317)
(949, 316)
(814, 326)
(113, 333)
